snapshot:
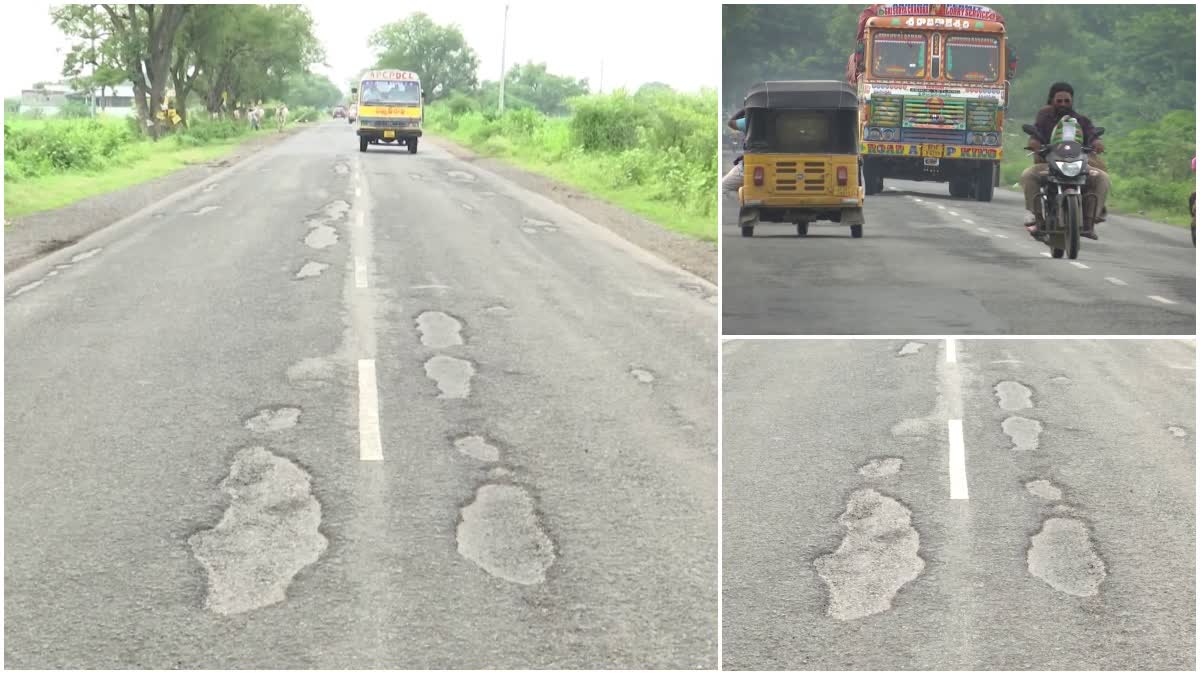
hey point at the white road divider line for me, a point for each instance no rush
(1081, 265)
(968, 221)
(357, 191)
(1159, 298)
(1115, 281)
(917, 199)
(360, 272)
(370, 445)
(1045, 254)
(984, 230)
(954, 213)
(1002, 236)
(951, 351)
(958, 461)
(941, 207)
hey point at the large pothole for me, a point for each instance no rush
(269, 532)
(439, 330)
(1062, 555)
(501, 533)
(452, 375)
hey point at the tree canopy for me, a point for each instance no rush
(439, 54)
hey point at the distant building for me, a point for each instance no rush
(49, 99)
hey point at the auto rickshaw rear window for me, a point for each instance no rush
(803, 131)
(898, 55)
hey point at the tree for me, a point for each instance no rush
(547, 92)
(144, 37)
(312, 90)
(438, 54)
(91, 50)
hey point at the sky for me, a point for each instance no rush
(650, 41)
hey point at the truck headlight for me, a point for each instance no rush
(1070, 168)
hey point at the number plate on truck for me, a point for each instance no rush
(933, 151)
(389, 134)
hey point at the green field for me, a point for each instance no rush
(53, 163)
(653, 154)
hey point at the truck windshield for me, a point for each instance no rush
(899, 55)
(385, 92)
(972, 59)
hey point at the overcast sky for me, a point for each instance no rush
(638, 42)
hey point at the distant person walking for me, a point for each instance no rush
(281, 116)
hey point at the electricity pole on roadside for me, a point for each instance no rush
(503, 49)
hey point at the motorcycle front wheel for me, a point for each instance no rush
(1074, 224)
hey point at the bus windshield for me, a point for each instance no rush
(972, 59)
(390, 92)
(898, 55)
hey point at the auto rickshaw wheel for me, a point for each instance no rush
(747, 230)
(802, 228)
(362, 143)
(856, 231)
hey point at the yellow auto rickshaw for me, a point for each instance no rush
(801, 158)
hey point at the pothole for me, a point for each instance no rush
(1044, 489)
(912, 428)
(341, 169)
(499, 473)
(642, 375)
(439, 330)
(1023, 431)
(882, 467)
(204, 209)
(210, 187)
(497, 309)
(321, 236)
(311, 373)
(273, 419)
(500, 533)
(467, 207)
(460, 176)
(534, 222)
(1062, 555)
(550, 228)
(529, 230)
(478, 448)
(1061, 379)
(911, 348)
(876, 558)
(311, 269)
(416, 176)
(85, 255)
(336, 209)
(453, 376)
(270, 531)
(1014, 396)
(1178, 432)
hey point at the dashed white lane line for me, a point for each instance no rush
(951, 351)
(370, 444)
(1115, 281)
(1001, 236)
(954, 213)
(357, 192)
(360, 272)
(1046, 254)
(1080, 265)
(958, 461)
(983, 230)
(1159, 298)
(27, 287)
(968, 221)
(361, 220)
(917, 199)
(941, 207)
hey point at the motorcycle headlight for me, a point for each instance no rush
(1070, 168)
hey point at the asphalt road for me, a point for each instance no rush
(338, 410)
(1064, 539)
(930, 264)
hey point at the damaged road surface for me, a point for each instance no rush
(1073, 549)
(321, 416)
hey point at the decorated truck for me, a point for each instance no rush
(933, 83)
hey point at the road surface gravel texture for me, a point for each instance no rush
(929, 264)
(843, 548)
(341, 410)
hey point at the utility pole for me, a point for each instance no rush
(503, 49)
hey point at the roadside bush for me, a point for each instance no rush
(39, 148)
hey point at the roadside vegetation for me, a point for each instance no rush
(652, 152)
(1133, 67)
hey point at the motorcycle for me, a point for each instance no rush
(1060, 201)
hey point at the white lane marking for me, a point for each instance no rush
(360, 272)
(951, 351)
(27, 287)
(1159, 298)
(361, 219)
(917, 200)
(357, 192)
(1002, 236)
(958, 461)
(984, 230)
(954, 213)
(968, 221)
(1115, 281)
(84, 256)
(941, 207)
(370, 445)
(1081, 266)
(1045, 254)
(429, 286)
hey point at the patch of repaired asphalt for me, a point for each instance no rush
(877, 557)
(1177, 432)
(911, 348)
(1023, 431)
(452, 375)
(1062, 555)
(270, 531)
(1044, 489)
(882, 467)
(642, 375)
(273, 419)
(460, 176)
(477, 447)
(311, 269)
(439, 330)
(321, 236)
(1014, 396)
(501, 533)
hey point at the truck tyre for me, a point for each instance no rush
(362, 143)
(412, 146)
(985, 184)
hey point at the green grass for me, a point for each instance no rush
(653, 157)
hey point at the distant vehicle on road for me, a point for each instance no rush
(392, 104)
(339, 111)
(352, 113)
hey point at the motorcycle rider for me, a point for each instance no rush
(1058, 105)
